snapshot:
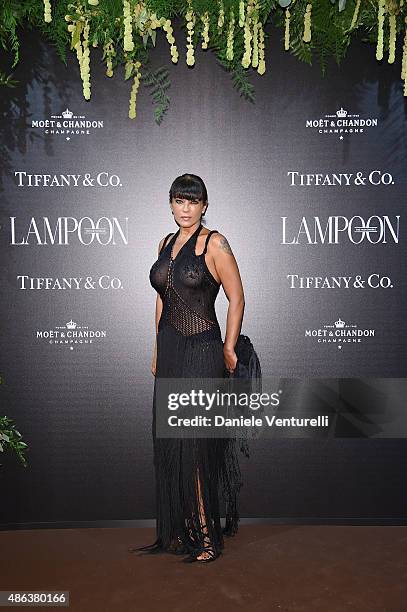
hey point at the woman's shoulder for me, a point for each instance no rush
(218, 241)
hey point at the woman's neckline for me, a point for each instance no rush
(198, 229)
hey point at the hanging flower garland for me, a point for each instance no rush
(355, 15)
(261, 68)
(221, 18)
(392, 36)
(134, 88)
(235, 27)
(128, 27)
(380, 33)
(230, 37)
(205, 32)
(109, 53)
(287, 29)
(47, 11)
(167, 27)
(307, 23)
(190, 19)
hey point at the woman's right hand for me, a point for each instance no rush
(230, 359)
(154, 364)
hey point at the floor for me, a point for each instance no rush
(263, 568)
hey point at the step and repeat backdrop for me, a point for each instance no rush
(307, 183)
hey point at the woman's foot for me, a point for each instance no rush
(208, 551)
(202, 555)
(205, 553)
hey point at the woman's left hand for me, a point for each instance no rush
(230, 358)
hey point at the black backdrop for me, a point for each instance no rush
(85, 409)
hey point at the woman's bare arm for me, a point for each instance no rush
(226, 266)
(158, 311)
(159, 302)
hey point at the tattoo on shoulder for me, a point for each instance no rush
(224, 245)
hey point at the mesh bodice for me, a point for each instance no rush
(186, 286)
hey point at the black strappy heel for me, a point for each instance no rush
(208, 549)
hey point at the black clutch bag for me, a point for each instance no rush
(248, 363)
(248, 378)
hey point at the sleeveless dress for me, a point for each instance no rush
(192, 475)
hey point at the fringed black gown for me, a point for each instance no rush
(192, 475)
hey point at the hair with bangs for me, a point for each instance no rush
(189, 187)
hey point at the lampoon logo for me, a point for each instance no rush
(67, 124)
(339, 333)
(70, 334)
(342, 122)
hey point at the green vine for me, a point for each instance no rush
(159, 83)
(11, 438)
(234, 30)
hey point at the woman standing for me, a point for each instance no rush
(192, 265)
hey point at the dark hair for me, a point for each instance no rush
(189, 187)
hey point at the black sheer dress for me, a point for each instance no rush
(193, 476)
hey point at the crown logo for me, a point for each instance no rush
(339, 323)
(67, 114)
(341, 112)
(71, 324)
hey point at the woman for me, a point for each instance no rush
(192, 264)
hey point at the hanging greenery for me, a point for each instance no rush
(234, 30)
